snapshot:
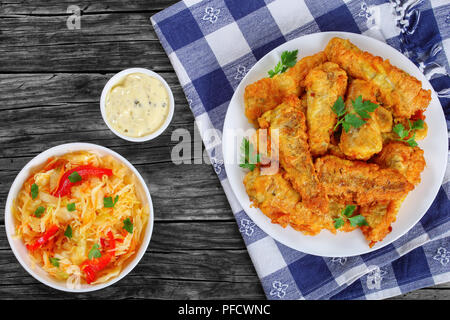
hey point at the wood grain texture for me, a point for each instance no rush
(51, 79)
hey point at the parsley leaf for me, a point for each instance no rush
(339, 107)
(400, 130)
(248, 159)
(74, 177)
(338, 222)
(54, 261)
(288, 60)
(411, 141)
(34, 191)
(109, 203)
(348, 211)
(358, 220)
(68, 232)
(128, 225)
(417, 124)
(362, 108)
(276, 70)
(353, 119)
(39, 211)
(94, 252)
(71, 206)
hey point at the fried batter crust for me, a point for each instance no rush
(379, 216)
(276, 198)
(363, 142)
(399, 91)
(324, 84)
(359, 182)
(294, 152)
(267, 93)
(408, 161)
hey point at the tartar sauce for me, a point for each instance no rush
(137, 105)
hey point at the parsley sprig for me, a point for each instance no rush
(288, 60)
(128, 225)
(74, 177)
(400, 130)
(54, 261)
(346, 214)
(68, 232)
(34, 191)
(39, 211)
(109, 203)
(248, 158)
(353, 119)
(94, 252)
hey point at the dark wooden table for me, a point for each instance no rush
(50, 84)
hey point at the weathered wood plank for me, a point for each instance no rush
(193, 272)
(54, 7)
(110, 56)
(431, 293)
(70, 90)
(144, 288)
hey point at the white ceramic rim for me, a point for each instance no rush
(275, 231)
(17, 185)
(118, 76)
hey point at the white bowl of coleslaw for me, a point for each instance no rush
(20, 250)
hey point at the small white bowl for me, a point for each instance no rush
(18, 247)
(118, 76)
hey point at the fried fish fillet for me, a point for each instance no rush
(379, 217)
(272, 194)
(267, 93)
(384, 119)
(347, 181)
(406, 160)
(363, 142)
(294, 154)
(276, 198)
(399, 91)
(324, 84)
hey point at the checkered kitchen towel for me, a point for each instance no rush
(212, 44)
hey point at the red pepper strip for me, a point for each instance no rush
(109, 244)
(92, 267)
(87, 171)
(41, 241)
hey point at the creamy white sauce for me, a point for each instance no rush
(137, 105)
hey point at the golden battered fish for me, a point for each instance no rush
(294, 153)
(406, 160)
(379, 217)
(363, 142)
(384, 119)
(267, 93)
(276, 198)
(272, 194)
(399, 91)
(324, 84)
(358, 182)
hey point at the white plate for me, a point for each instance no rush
(417, 202)
(18, 247)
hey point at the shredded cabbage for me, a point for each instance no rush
(90, 221)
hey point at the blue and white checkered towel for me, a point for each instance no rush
(212, 44)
